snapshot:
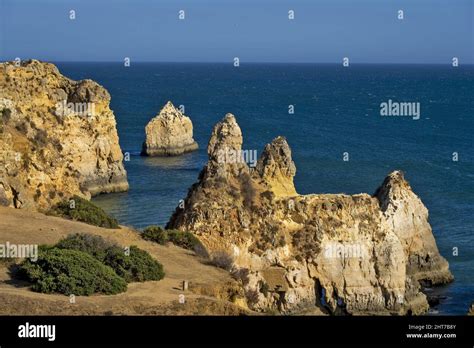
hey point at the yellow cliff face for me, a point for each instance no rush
(58, 137)
(357, 254)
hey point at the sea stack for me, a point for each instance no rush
(346, 254)
(58, 137)
(170, 133)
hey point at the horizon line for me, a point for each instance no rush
(241, 63)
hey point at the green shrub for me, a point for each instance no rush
(71, 272)
(155, 234)
(183, 239)
(95, 246)
(137, 266)
(80, 209)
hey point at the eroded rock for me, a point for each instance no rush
(58, 137)
(170, 133)
(347, 254)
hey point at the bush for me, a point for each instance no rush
(247, 190)
(155, 234)
(71, 272)
(41, 137)
(223, 260)
(80, 209)
(307, 242)
(137, 266)
(252, 297)
(241, 274)
(183, 239)
(82, 264)
(95, 246)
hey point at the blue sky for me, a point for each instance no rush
(366, 31)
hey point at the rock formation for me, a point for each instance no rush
(346, 254)
(170, 133)
(58, 137)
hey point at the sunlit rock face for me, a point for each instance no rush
(58, 137)
(346, 254)
(170, 133)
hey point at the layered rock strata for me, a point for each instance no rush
(346, 254)
(170, 133)
(58, 137)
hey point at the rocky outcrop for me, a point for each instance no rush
(405, 214)
(346, 254)
(276, 168)
(170, 133)
(58, 137)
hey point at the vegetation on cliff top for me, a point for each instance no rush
(80, 209)
(183, 239)
(83, 264)
(71, 272)
(134, 264)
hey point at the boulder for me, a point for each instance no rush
(170, 133)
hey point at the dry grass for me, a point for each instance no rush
(148, 298)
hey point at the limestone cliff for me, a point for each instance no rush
(58, 137)
(170, 133)
(345, 254)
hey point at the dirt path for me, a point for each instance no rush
(157, 297)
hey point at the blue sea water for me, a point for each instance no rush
(337, 110)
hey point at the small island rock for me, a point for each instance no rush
(170, 133)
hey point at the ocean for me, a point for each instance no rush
(336, 113)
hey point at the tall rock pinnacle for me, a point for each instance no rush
(276, 168)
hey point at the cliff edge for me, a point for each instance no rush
(58, 137)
